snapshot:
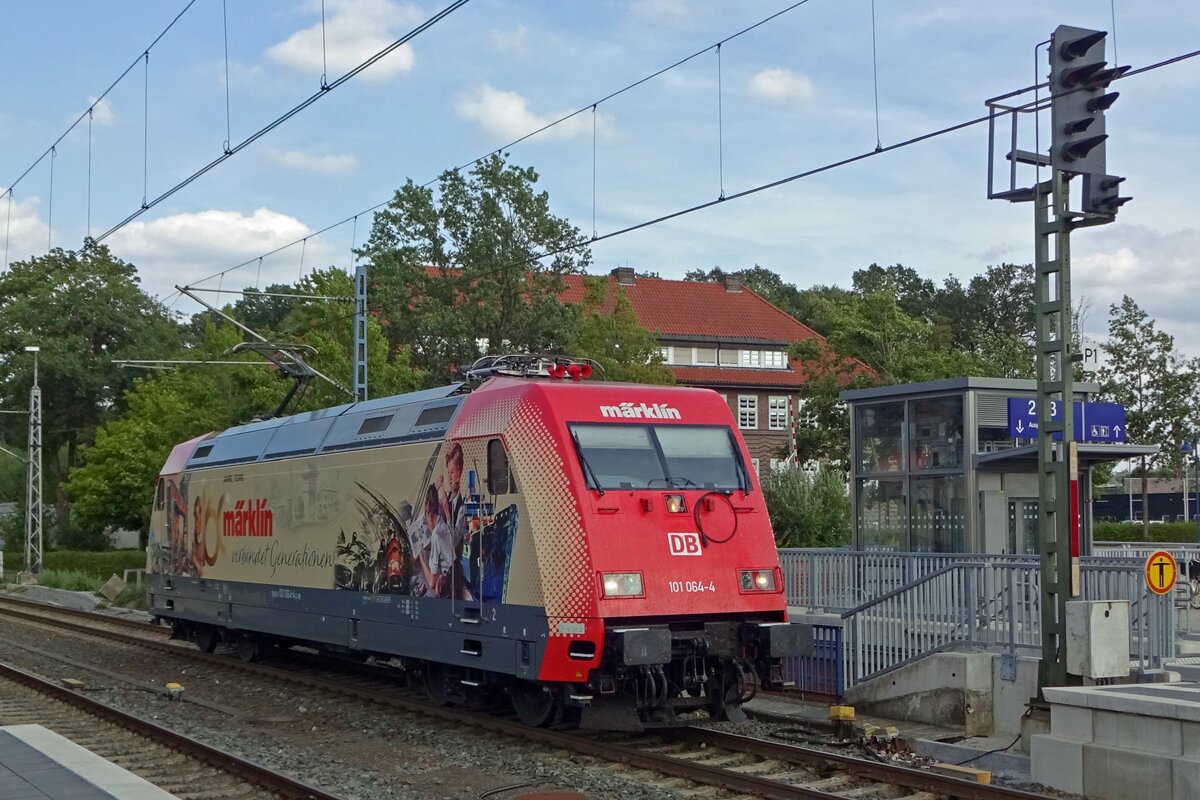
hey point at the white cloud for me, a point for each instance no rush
(102, 112)
(334, 164)
(22, 230)
(354, 31)
(507, 115)
(1160, 271)
(512, 43)
(185, 248)
(781, 86)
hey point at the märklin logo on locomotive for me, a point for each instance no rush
(520, 530)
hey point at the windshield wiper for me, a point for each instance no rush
(586, 466)
(743, 471)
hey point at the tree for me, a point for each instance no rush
(1155, 385)
(461, 273)
(807, 509)
(760, 280)
(608, 332)
(83, 309)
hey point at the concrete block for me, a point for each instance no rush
(1162, 736)
(1190, 736)
(1185, 773)
(1098, 638)
(1113, 774)
(1071, 721)
(1057, 763)
(112, 588)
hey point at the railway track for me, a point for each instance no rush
(695, 755)
(175, 763)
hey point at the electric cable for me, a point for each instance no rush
(875, 74)
(89, 176)
(146, 130)
(225, 33)
(592, 106)
(97, 101)
(282, 118)
(720, 130)
(50, 202)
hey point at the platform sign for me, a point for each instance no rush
(1161, 572)
(1094, 422)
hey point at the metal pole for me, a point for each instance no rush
(33, 485)
(360, 333)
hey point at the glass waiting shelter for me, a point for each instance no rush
(933, 467)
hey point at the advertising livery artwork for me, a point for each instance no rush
(447, 541)
(414, 521)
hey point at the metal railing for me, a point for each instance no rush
(921, 603)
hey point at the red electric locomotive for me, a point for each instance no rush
(591, 548)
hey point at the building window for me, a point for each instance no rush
(778, 464)
(775, 359)
(777, 413)
(751, 358)
(803, 415)
(668, 356)
(748, 412)
(754, 463)
(935, 433)
(882, 515)
(938, 515)
(704, 355)
(727, 358)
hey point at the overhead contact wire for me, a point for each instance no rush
(228, 122)
(429, 23)
(96, 102)
(543, 128)
(146, 132)
(89, 176)
(720, 129)
(875, 73)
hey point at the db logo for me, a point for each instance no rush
(684, 544)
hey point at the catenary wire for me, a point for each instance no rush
(225, 33)
(879, 150)
(270, 126)
(50, 202)
(875, 74)
(97, 101)
(590, 106)
(146, 131)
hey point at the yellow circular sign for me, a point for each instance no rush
(1161, 572)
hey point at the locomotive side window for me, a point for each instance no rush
(499, 476)
(374, 424)
(631, 456)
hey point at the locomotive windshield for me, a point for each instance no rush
(631, 456)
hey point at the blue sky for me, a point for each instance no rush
(795, 94)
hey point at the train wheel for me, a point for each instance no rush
(206, 638)
(435, 677)
(534, 705)
(248, 648)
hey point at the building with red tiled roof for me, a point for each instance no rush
(724, 337)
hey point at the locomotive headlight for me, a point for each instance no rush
(622, 584)
(757, 580)
(675, 504)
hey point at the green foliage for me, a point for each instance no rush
(97, 564)
(71, 580)
(807, 509)
(608, 332)
(1163, 532)
(1157, 387)
(452, 272)
(133, 596)
(83, 309)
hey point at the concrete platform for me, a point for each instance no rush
(38, 764)
(1126, 742)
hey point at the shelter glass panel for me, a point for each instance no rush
(938, 515)
(882, 514)
(936, 433)
(880, 437)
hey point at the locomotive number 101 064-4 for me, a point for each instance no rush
(691, 586)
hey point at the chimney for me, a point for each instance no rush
(624, 275)
(733, 282)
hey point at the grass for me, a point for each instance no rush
(71, 580)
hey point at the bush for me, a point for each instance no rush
(71, 580)
(1165, 532)
(807, 509)
(97, 564)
